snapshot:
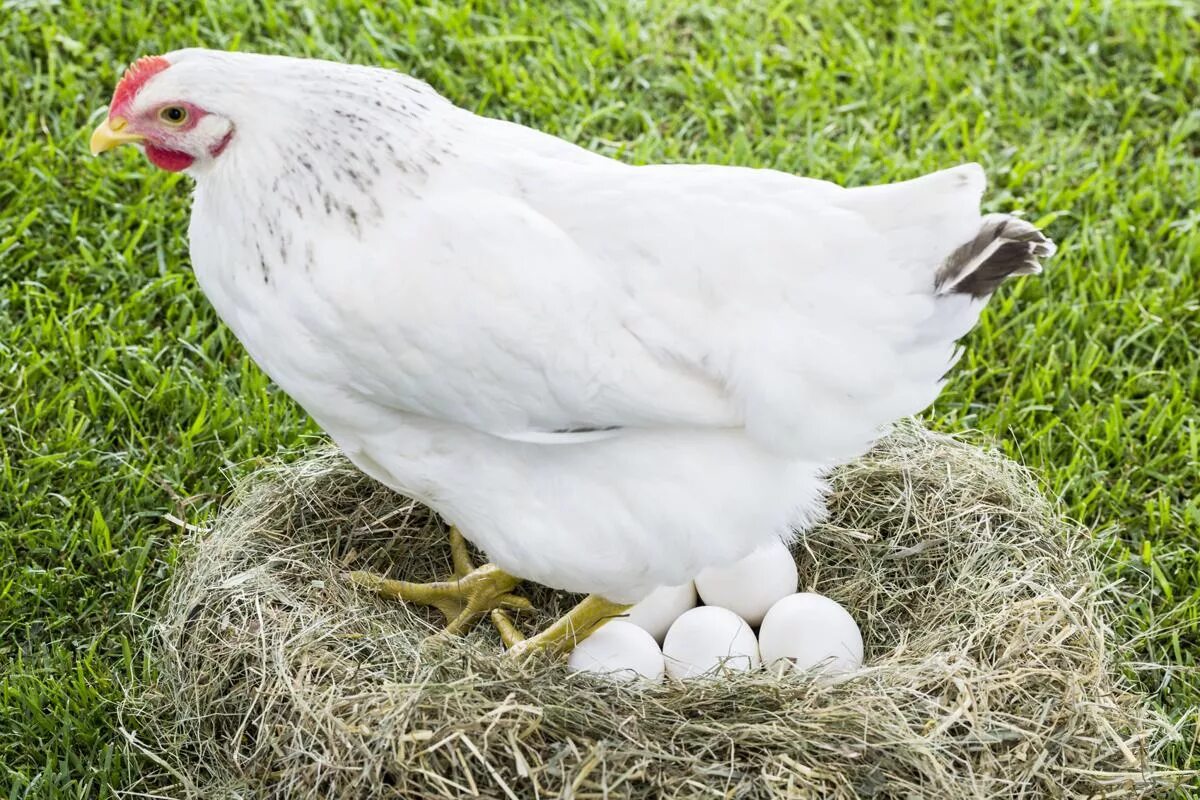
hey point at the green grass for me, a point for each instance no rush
(122, 399)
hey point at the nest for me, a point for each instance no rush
(992, 669)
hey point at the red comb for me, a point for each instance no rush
(135, 77)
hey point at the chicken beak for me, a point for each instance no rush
(111, 133)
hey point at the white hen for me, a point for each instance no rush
(607, 376)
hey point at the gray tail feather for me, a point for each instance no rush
(1004, 246)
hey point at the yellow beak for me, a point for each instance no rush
(111, 133)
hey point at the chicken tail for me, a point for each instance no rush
(1003, 246)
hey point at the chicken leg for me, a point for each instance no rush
(470, 594)
(565, 633)
(475, 591)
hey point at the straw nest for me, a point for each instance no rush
(992, 671)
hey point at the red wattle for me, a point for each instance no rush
(171, 160)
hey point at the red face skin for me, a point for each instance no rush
(163, 141)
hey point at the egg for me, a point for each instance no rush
(661, 607)
(813, 633)
(707, 639)
(619, 650)
(751, 586)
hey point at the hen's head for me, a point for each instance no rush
(166, 105)
(253, 119)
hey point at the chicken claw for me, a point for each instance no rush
(469, 595)
(564, 634)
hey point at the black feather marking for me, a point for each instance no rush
(586, 429)
(262, 264)
(1004, 246)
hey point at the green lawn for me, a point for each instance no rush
(123, 400)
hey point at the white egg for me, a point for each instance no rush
(707, 639)
(813, 632)
(751, 586)
(618, 650)
(661, 607)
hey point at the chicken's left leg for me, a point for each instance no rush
(470, 594)
(564, 634)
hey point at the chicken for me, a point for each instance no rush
(607, 377)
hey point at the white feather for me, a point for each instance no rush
(608, 376)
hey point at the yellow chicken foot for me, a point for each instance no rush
(562, 636)
(472, 593)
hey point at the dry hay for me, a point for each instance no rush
(992, 665)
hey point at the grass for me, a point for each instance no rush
(123, 400)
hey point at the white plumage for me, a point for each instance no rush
(608, 376)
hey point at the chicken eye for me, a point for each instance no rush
(173, 115)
